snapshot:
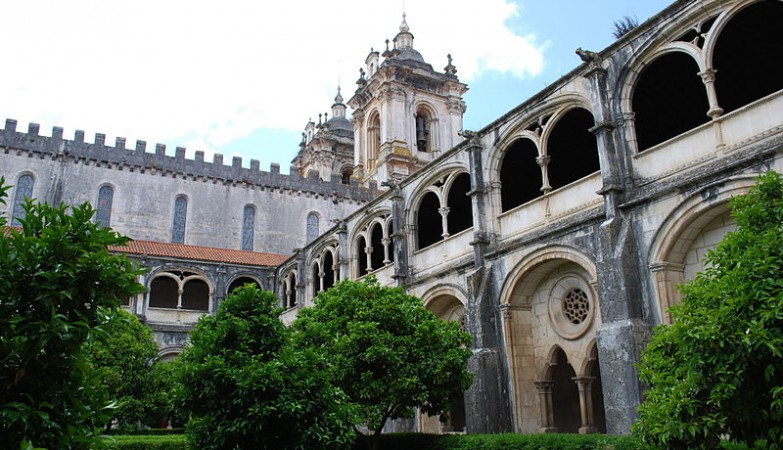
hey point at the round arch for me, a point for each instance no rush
(678, 232)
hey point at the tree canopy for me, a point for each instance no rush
(386, 351)
(246, 387)
(57, 279)
(124, 357)
(717, 371)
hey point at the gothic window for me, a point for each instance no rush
(572, 148)
(744, 69)
(422, 132)
(361, 255)
(23, 190)
(460, 206)
(180, 216)
(669, 99)
(241, 281)
(312, 227)
(377, 256)
(179, 290)
(429, 221)
(520, 174)
(248, 227)
(346, 175)
(290, 287)
(330, 275)
(373, 141)
(103, 213)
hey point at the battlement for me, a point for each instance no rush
(138, 157)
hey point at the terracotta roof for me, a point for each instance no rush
(195, 252)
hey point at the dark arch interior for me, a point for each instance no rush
(316, 280)
(460, 208)
(389, 233)
(572, 148)
(241, 281)
(430, 224)
(669, 99)
(163, 293)
(329, 275)
(597, 392)
(376, 239)
(292, 287)
(747, 55)
(195, 295)
(565, 395)
(520, 174)
(361, 256)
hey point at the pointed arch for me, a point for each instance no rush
(23, 189)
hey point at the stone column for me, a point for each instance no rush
(623, 332)
(584, 384)
(487, 404)
(544, 389)
(398, 236)
(444, 217)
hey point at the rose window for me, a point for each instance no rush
(576, 306)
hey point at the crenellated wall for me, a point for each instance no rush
(145, 185)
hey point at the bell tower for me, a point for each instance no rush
(404, 112)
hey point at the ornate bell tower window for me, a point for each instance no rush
(423, 132)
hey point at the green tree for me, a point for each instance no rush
(57, 279)
(123, 358)
(247, 388)
(717, 371)
(386, 351)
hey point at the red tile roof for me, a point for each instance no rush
(195, 252)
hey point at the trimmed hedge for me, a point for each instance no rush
(147, 442)
(144, 431)
(418, 441)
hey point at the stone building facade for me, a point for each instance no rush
(557, 234)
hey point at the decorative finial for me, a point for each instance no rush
(404, 28)
(450, 69)
(339, 98)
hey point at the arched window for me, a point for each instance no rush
(361, 256)
(312, 227)
(669, 99)
(180, 290)
(429, 221)
(565, 395)
(520, 174)
(422, 131)
(572, 148)
(377, 257)
(248, 227)
(241, 281)
(745, 69)
(105, 199)
(373, 140)
(180, 217)
(460, 206)
(23, 190)
(346, 174)
(290, 290)
(330, 274)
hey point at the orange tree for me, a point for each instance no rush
(386, 351)
(717, 371)
(57, 280)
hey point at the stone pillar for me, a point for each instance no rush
(444, 220)
(398, 236)
(544, 389)
(584, 384)
(343, 252)
(301, 277)
(623, 333)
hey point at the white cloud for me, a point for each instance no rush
(161, 70)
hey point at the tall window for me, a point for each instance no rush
(248, 227)
(103, 213)
(24, 189)
(180, 217)
(312, 227)
(373, 141)
(422, 132)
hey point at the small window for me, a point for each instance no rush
(24, 189)
(312, 227)
(422, 132)
(248, 227)
(103, 212)
(180, 216)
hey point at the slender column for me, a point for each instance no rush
(179, 297)
(544, 389)
(368, 255)
(715, 111)
(385, 242)
(321, 276)
(543, 161)
(584, 384)
(444, 215)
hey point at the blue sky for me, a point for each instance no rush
(244, 78)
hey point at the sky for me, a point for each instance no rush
(242, 77)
